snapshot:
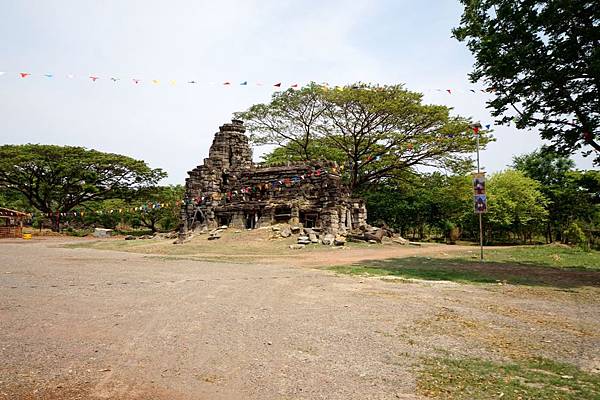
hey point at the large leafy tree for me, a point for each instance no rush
(164, 209)
(515, 205)
(573, 195)
(55, 179)
(290, 118)
(541, 61)
(375, 132)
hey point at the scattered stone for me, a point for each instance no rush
(373, 241)
(214, 237)
(102, 233)
(171, 235)
(303, 240)
(295, 229)
(275, 228)
(297, 246)
(415, 244)
(223, 227)
(328, 239)
(285, 232)
(400, 240)
(130, 237)
(339, 241)
(308, 231)
(313, 237)
(145, 237)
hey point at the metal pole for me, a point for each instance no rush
(480, 217)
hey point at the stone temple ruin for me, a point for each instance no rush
(229, 189)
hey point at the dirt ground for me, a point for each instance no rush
(80, 323)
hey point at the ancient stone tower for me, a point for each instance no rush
(229, 189)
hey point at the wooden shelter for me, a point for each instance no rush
(11, 223)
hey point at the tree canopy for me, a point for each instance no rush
(54, 179)
(375, 132)
(574, 196)
(541, 62)
(515, 204)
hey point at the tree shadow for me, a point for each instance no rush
(471, 271)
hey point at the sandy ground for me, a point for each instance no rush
(90, 324)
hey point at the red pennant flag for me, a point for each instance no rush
(449, 91)
(227, 83)
(136, 81)
(24, 74)
(277, 84)
(94, 78)
(295, 85)
(476, 129)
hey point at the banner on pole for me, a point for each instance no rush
(479, 196)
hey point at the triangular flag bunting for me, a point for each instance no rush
(24, 74)
(94, 78)
(136, 81)
(449, 91)
(295, 85)
(46, 75)
(114, 79)
(155, 81)
(487, 126)
(277, 84)
(244, 83)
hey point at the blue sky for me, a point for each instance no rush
(171, 126)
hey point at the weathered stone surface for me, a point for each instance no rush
(295, 229)
(303, 240)
(400, 240)
(313, 237)
(296, 246)
(130, 237)
(339, 241)
(229, 190)
(285, 232)
(328, 239)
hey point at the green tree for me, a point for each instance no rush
(291, 118)
(515, 205)
(377, 132)
(572, 194)
(55, 179)
(421, 204)
(541, 61)
(162, 208)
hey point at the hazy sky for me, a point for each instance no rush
(171, 126)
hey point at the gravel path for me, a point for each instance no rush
(82, 323)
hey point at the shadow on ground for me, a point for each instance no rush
(471, 271)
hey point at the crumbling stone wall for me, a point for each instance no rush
(228, 189)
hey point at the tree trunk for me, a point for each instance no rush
(55, 222)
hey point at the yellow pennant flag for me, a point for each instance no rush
(155, 81)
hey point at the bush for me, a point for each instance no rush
(577, 236)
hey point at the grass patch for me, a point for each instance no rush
(555, 256)
(416, 268)
(538, 266)
(474, 379)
